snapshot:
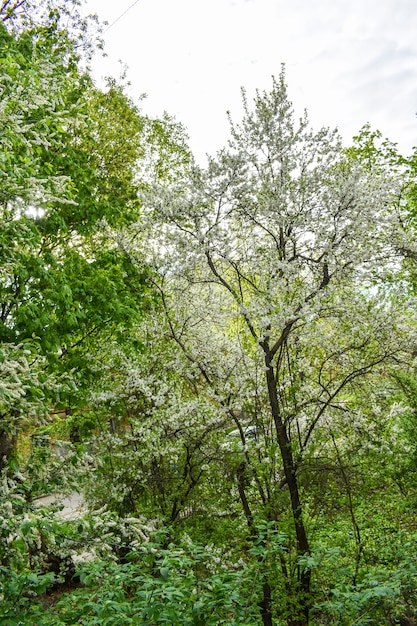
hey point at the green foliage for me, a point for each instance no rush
(179, 584)
(384, 595)
(372, 149)
(233, 349)
(69, 175)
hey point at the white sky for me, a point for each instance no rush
(347, 61)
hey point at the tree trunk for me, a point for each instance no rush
(265, 605)
(7, 447)
(303, 548)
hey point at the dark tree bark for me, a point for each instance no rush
(8, 9)
(7, 447)
(303, 548)
(265, 605)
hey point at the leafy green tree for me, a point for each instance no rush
(70, 173)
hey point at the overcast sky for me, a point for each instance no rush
(348, 62)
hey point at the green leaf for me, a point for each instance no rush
(164, 571)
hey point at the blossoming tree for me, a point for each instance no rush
(273, 265)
